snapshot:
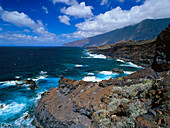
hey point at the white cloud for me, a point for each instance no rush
(24, 37)
(18, 19)
(45, 9)
(68, 2)
(78, 10)
(118, 18)
(64, 19)
(103, 2)
(22, 20)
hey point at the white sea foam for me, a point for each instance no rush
(43, 73)
(134, 65)
(9, 83)
(90, 73)
(100, 56)
(78, 65)
(89, 78)
(17, 77)
(106, 72)
(41, 77)
(128, 72)
(95, 79)
(38, 96)
(11, 108)
(120, 60)
(130, 64)
(24, 121)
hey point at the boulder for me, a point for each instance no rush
(32, 84)
(1, 106)
(116, 70)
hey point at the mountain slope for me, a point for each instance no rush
(147, 29)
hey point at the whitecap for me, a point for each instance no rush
(130, 64)
(38, 96)
(23, 121)
(100, 56)
(120, 60)
(9, 83)
(79, 65)
(89, 78)
(11, 108)
(94, 78)
(106, 72)
(43, 73)
(17, 77)
(41, 77)
(128, 72)
(90, 73)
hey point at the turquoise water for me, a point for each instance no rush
(45, 65)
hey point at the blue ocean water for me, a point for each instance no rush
(45, 65)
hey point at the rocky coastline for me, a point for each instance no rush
(138, 52)
(139, 100)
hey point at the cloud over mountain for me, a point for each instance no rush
(118, 18)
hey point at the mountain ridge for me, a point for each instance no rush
(147, 29)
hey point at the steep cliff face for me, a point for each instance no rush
(162, 56)
(147, 29)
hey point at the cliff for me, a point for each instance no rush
(138, 100)
(147, 29)
(139, 52)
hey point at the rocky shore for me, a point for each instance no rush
(137, 100)
(138, 52)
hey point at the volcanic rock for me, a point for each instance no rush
(116, 70)
(162, 56)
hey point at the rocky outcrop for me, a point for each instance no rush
(139, 52)
(139, 100)
(162, 56)
(31, 84)
(116, 70)
(120, 102)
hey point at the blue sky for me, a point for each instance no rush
(54, 22)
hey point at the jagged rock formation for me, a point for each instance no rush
(147, 29)
(32, 84)
(162, 56)
(137, 100)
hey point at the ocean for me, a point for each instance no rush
(45, 65)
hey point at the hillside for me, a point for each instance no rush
(147, 29)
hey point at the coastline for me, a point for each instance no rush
(137, 100)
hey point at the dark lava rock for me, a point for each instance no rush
(162, 55)
(1, 106)
(66, 85)
(116, 70)
(32, 84)
(139, 52)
